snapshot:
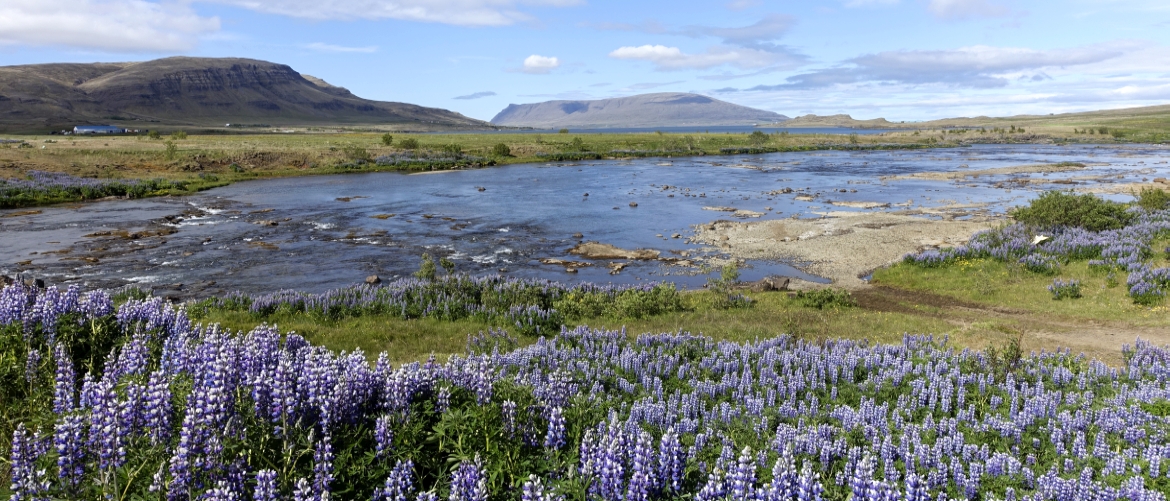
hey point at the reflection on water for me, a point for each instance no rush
(315, 233)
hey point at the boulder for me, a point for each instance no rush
(578, 236)
(373, 280)
(1161, 180)
(597, 250)
(35, 282)
(6, 280)
(633, 204)
(769, 284)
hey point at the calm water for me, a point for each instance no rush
(326, 234)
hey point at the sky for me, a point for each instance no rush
(898, 59)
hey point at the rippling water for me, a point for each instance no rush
(315, 233)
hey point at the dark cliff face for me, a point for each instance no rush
(207, 91)
(646, 110)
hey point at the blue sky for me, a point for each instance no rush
(898, 59)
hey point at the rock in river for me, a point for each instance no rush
(597, 250)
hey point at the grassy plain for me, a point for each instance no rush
(204, 161)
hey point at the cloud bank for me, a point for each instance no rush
(112, 25)
(476, 95)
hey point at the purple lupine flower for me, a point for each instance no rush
(383, 436)
(742, 480)
(399, 485)
(28, 482)
(509, 415)
(643, 477)
(468, 483)
(671, 461)
(222, 491)
(443, 400)
(303, 491)
(555, 437)
(534, 490)
(323, 467)
(64, 382)
(32, 366)
(69, 442)
(266, 489)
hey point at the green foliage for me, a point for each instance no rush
(426, 268)
(154, 134)
(177, 135)
(1006, 359)
(501, 150)
(172, 150)
(722, 294)
(758, 138)
(447, 265)
(563, 131)
(387, 139)
(853, 138)
(1152, 199)
(409, 143)
(1055, 208)
(829, 297)
(577, 144)
(355, 153)
(452, 149)
(625, 304)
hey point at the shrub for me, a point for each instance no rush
(757, 138)
(1040, 263)
(1055, 208)
(563, 131)
(721, 293)
(453, 149)
(1152, 199)
(387, 139)
(501, 150)
(178, 135)
(171, 150)
(426, 268)
(825, 298)
(409, 143)
(1065, 290)
(154, 135)
(355, 153)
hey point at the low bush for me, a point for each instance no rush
(1152, 199)
(501, 150)
(409, 143)
(1065, 290)
(1055, 208)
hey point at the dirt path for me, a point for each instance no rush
(1102, 340)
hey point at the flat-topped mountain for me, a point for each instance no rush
(667, 109)
(194, 91)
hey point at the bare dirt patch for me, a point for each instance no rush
(842, 246)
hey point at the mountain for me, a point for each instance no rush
(839, 121)
(667, 109)
(186, 91)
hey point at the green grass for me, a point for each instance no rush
(772, 314)
(997, 284)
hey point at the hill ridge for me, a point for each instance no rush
(661, 109)
(191, 91)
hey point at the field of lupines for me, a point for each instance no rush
(53, 187)
(528, 307)
(1044, 250)
(137, 402)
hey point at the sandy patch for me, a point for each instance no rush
(597, 250)
(1018, 169)
(843, 246)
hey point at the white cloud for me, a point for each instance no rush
(325, 47)
(966, 9)
(870, 3)
(476, 95)
(458, 12)
(110, 25)
(673, 59)
(743, 4)
(978, 66)
(540, 65)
